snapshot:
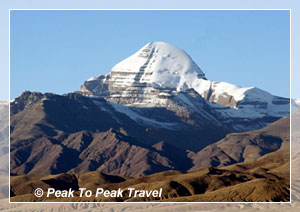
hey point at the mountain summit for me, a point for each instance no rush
(158, 64)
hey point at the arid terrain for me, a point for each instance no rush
(172, 207)
(263, 180)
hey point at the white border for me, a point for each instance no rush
(167, 10)
(290, 106)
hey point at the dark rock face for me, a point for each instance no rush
(53, 134)
(73, 133)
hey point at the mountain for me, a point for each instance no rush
(53, 134)
(154, 111)
(157, 75)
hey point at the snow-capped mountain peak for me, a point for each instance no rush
(159, 64)
(158, 74)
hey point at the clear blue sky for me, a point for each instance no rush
(55, 51)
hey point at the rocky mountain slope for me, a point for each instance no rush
(246, 146)
(53, 134)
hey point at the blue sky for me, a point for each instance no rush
(55, 51)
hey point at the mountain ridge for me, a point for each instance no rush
(96, 136)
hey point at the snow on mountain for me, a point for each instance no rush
(158, 72)
(164, 66)
(141, 119)
(158, 63)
